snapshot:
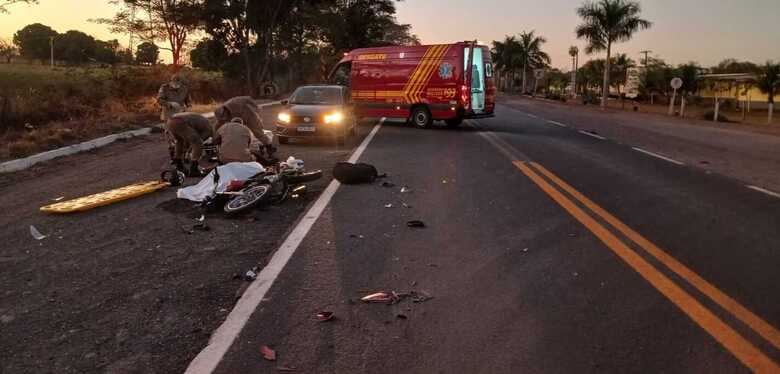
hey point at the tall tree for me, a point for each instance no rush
(620, 65)
(5, 3)
(172, 21)
(209, 54)
(606, 22)
(769, 83)
(531, 53)
(34, 41)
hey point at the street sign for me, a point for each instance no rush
(677, 83)
(632, 82)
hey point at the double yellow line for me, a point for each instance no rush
(740, 347)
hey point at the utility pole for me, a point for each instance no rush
(645, 53)
(51, 47)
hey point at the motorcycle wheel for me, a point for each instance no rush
(251, 198)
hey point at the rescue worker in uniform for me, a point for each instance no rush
(234, 140)
(244, 107)
(188, 130)
(173, 97)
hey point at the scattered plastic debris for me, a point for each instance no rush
(420, 296)
(416, 224)
(405, 189)
(36, 234)
(201, 218)
(250, 275)
(325, 316)
(407, 206)
(268, 353)
(387, 185)
(401, 316)
(58, 199)
(444, 181)
(354, 236)
(381, 297)
(388, 205)
(525, 249)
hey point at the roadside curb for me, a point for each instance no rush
(28, 162)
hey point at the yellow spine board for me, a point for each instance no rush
(104, 198)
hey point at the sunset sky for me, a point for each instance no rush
(705, 31)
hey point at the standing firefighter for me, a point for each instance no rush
(244, 107)
(188, 131)
(173, 97)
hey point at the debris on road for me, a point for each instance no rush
(325, 316)
(201, 218)
(201, 226)
(388, 205)
(405, 189)
(360, 173)
(268, 353)
(416, 224)
(58, 198)
(387, 185)
(407, 206)
(382, 297)
(420, 296)
(401, 316)
(187, 230)
(356, 236)
(249, 276)
(286, 368)
(36, 234)
(525, 249)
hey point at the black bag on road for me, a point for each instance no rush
(349, 173)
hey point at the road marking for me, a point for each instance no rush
(592, 135)
(759, 189)
(742, 349)
(557, 124)
(761, 327)
(656, 155)
(223, 337)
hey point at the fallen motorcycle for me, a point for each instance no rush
(272, 186)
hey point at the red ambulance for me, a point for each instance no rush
(420, 83)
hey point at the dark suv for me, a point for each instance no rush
(317, 111)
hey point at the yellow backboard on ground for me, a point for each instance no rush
(104, 198)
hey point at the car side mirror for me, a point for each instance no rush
(285, 102)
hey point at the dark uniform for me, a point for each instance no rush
(188, 130)
(173, 97)
(243, 107)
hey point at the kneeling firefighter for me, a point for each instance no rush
(245, 108)
(189, 131)
(234, 140)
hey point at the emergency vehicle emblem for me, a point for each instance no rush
(445, 70)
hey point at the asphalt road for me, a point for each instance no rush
(546, 250)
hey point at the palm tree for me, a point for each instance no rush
(531, 53)
(606, 22)
(620, 65)
(769, 83)
(502, 54)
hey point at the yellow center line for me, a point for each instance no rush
(742, 349)
(753, 321)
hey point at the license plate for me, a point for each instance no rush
(307, 128)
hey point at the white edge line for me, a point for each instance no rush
(592, 135)
(658, 156)
(764, 190)
(557, 124)
(223, 337)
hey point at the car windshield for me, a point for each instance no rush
(316, 96)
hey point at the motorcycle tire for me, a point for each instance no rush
(304, 177)
(251, 197)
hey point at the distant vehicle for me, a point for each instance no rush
(420, 83)
(317, 111)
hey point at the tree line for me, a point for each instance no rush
(605, 23)
(257, 41)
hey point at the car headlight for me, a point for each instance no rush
(284, 117)
(336, 117)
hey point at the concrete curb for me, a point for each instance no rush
(27, 162)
